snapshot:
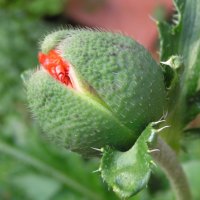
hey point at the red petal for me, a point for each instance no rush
(56, 66)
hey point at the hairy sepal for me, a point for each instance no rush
(72, 119)
(122, 73)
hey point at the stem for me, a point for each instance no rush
(167, 160)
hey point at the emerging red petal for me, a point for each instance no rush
(56, 66)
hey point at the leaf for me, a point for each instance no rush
(182, 38)
(128, 172)
(190, 45)
(170, 33)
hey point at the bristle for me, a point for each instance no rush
(161, 129)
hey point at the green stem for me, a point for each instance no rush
(30, 160)
(166, 158)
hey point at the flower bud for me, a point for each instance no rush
(94, 89)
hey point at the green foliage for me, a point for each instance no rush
(33, 169)
(18, 44)
(182, 38)
(35, 8)
(59, 168)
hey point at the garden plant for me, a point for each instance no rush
(102, 100)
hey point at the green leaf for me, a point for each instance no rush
(170, 33)
(128, 172)
(190, 45)
(182, 37)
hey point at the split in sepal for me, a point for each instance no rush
(173, 69)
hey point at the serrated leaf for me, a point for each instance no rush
(128, 172)
(182, 37)
(170, 33)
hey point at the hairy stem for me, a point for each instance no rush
(166, 158)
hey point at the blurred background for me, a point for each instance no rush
(32, 169)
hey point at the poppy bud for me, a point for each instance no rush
(94, 89)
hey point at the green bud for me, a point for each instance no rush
(119, 90)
